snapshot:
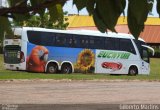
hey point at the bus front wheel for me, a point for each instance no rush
(52, 68)
(66, 68)
(133, 71)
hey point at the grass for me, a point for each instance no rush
(1, 62)
(7, 74)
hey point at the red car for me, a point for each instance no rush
(112, 65)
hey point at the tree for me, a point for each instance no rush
(44, 22)
(22, 10)
(105, 12)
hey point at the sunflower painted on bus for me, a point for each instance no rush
(86, 60)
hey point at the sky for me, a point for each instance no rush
(73, 10)
(3, 3)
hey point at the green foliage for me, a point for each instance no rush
(106, 13)
(19, 3)
(44, 22)
(5, 27)
(56, 12)
(157, 52)
(36, 2)
(80, 3)
(25, 11)
(90, 6)
(99, 22)
(137, 15)
(111, 10)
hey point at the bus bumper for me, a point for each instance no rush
(14, 66)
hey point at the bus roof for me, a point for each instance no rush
(82, 32)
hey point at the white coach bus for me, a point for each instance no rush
(67, 51)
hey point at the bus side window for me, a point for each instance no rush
(110, 44)
(96, 43)
(84, 41)
(92, 43)
(117, 43)
(74, 42)
(34, 37)
(60, 40)
(80, 41)
(69, 40)
(47, 39)
(127, 45)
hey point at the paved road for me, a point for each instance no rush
(79, 92)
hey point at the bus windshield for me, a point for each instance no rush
(143, 50)
(145, 54)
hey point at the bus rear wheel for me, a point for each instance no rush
(133, 71)
(52, 68)
(66, 68)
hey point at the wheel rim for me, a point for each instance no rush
(66, 69)
(132, 72)
(52, 69)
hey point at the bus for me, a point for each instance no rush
(79, 51)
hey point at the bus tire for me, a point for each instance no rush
(133, 71)
(66, 68)
(52, 68)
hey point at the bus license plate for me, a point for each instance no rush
(11, 66)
